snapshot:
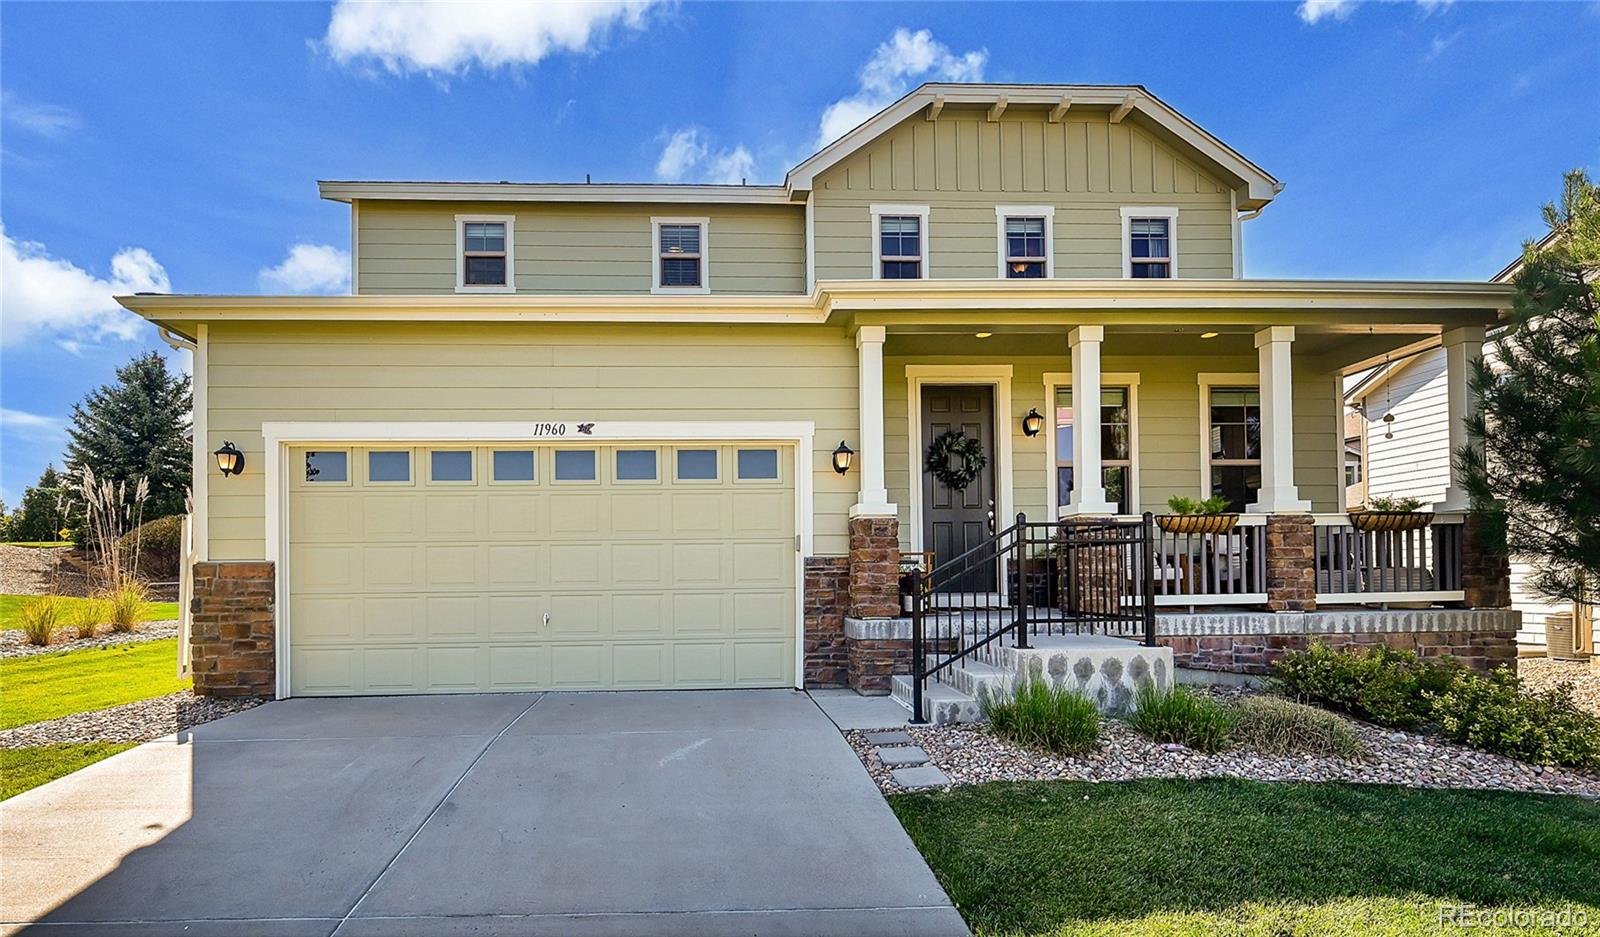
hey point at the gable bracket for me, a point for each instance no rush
(998, 108)
(1124, 109)
(935, 107)
(1060, 110)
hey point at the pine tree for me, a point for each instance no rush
(135, 427)
(1533, 463)
(45, 511)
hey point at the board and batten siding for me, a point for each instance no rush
(963, 165)
(1416, 462)
(1168, 430)
(263, 372)
(593, 248)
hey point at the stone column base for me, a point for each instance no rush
(231, 650)
(1485, 572)
(1291, 563)
(876, 650)
(827, 598)
(874, 567)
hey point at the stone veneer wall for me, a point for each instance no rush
(231, 631)
(879, 648)
(1251, 642)
(874, 567)
(1291, 563)
(827, 599)
(1485, 574)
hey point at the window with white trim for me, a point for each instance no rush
(679, 258)
(899, 242)
(1116, 446)
(1149, 243)
(1025, 234)
(484, 254)
(1234, 438)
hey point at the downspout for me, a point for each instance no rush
(178, 342)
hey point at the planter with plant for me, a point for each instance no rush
(1389, 514)
(1189, 516)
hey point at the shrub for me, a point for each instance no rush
(155, 548)
(1039, 715)
(1181, 715)
(1495, 714)
(1216, 504)
(1381, 685)
(1382, 503)
(124, 605)
(1278, 726)
(42, 617)
(89, 616)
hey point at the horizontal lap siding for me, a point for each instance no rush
(409, 247)
(490, 372)
(962, 166)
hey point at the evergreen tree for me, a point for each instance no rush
(46, 506)
(135, 427)
(1533, 463)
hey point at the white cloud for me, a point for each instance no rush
(1315, 11)
(46, 120)
(309, 268)
(1439, 45)
(44, 294)
(448, 38)
(32, 426)
(688, 157)
(1435, 6)
(906, 59)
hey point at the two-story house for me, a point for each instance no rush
(617, 435)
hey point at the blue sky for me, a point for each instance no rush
(176, 146)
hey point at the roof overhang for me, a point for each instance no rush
(1257, 187)
(349, 191)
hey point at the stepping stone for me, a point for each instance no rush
(889, 738)
(916, 778)
(903, 756)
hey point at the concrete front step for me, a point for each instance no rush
(941, 704)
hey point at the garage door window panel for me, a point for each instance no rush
(576, 466)
(697, 465)
(389, 466)
(758, 466)
(513, 467)
(450, 467)
(328, 467)
(637, 467)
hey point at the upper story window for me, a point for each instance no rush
(679, 260)
(484, 254)
(1149, 243)
(899, 242)
(1025, 233)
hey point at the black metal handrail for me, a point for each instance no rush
(1097, 574)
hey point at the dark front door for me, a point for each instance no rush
(954, 522)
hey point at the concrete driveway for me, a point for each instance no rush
(719, 812)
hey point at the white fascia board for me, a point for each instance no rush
(341, 191)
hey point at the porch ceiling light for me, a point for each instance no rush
(1032, 423)
(1208, 334)
(229, 459)
(982, 334)
(842, 457)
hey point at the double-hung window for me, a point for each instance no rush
(1149, 243)
(1234, 441)
(899, 242)
(679, 258)
(484, 254)
(1025, 235)
(1116, 446)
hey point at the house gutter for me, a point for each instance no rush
(178, 342)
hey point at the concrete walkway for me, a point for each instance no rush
(718, 812)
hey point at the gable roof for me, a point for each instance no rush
(1257, 186)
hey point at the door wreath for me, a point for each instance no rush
(968, 462)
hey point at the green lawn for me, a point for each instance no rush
(25, 768)
(47, 686)
(1238, 857)
(38, 543)
(11, 608)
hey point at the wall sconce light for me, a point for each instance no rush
(842, 457)
(1032, 423)
(229, 459)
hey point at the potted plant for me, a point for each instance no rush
(1386, 514)
(1189, 516)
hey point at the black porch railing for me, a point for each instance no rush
(1089, 575)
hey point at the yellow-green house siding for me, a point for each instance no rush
(593, 248)
(962, 165)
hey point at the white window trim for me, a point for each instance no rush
(1130, 212)
(922, 212)
(1047, 212)
(510, 221)
(1208, 380)
(1054, 380)
(705, 257)
(280, 436)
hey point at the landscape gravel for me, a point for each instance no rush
(972, 754)
(1541, 673)
(14, 643)
(130, 722)
(28, 571)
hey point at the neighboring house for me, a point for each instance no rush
(1402, 412)
(631, 436)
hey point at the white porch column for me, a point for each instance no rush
(874, 498)
(1461, 346)
(1278, 493)
(1088, 478)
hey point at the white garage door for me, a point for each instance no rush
(459, 569)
